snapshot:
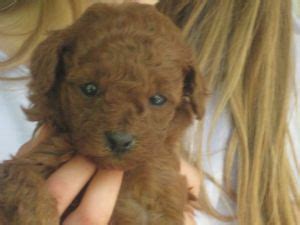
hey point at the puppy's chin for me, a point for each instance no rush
(104, 158)
(114, 162)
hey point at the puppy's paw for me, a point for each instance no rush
(24, 200)
(3, 220)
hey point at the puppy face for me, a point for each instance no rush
(120, 81)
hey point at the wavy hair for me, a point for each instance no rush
(30, 21)
(243, 47)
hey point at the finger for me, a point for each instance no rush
(99, 200)
(42, 134)
(189, 219)
(193, 176)
(66, 182)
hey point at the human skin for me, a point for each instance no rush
(66, 182)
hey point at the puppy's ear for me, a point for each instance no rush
(47, 70)
(47, 66)
(194, 91)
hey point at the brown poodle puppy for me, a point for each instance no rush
(120, 87)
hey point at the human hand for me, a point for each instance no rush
(99, 199)
(193, 179)
(64, 184)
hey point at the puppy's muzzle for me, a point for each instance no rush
(119, 142)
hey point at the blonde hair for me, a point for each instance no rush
(243, 47)
(32, 20)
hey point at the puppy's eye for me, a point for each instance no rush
(90, 89)
(157, 100)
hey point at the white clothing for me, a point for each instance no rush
(16, 130)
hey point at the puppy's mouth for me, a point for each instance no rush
(115, 150)
(114, 162)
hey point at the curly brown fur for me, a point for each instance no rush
(130, 52)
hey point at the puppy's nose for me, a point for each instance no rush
(119, 142)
